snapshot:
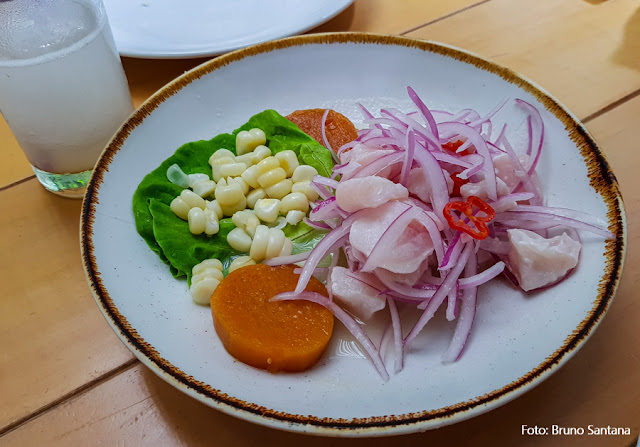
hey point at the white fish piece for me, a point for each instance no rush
(352, 290)
(418, 185)
(479, 189)
(410, 246)
(537, 261)
(368, 192)
(506, 171)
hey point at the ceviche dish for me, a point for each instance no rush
(291, 224)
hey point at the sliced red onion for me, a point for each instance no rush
(348, 321)
(450, 257)
(408, 158)
(397, 336)
(466, 317)
(409, 123)
(426, 113)
(506, 203)
(476, 280)
(325, 141)
(327, 209)
(319, 225)
(324, 181)
(434, 177)
(489, 115)
(537, 128)
(452, 299)
(442, 292)
(421, 292)
(327, 244)
(453, 129)
(515, 218)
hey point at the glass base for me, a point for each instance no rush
(71, 186)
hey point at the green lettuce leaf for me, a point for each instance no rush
(169, 236)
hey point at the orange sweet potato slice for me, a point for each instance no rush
(338, 128)
(272, 335)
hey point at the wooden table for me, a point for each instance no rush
(66, 379)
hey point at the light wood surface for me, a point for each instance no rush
(65, 378)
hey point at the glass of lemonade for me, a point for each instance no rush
(63, 91)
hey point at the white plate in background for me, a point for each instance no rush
(163, 29)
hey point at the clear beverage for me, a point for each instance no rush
(63, 91)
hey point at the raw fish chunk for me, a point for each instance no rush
(479, 189)
(368, 192)
(420, 187)
(506, 171)
(351, 289)
(537, 261)
(410, 246)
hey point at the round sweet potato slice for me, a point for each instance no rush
(272, 335)
(338, 128)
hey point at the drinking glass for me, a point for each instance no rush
(63, 91)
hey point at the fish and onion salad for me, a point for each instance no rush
(416, 210)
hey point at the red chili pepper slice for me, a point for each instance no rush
(457, 183)
(480, 229)
(453, 146)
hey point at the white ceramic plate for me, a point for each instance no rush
(192, 28)
(517, 340)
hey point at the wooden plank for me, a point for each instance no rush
(396, 17)
(53, 337)
(586, 54)
(15, 165)
(598, 386)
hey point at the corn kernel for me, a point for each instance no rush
(304, 172)
(228, 195)
(288, 161)
(180, 208)
(204, 189)
(241, 182)
(250, 176)
(259, 243)
(287, 247)
(211, 225)
(294, 217)
(239, 240)
(206, 264)
(267, 209)
(260, 153)
(239, 262)
(247, 221)
(197, 221)
(222, 153)
(202, 291)
(254, 196)
(230, 210)
(247, 141)
(267, 165)
(215, 207)
(275, 244)
(210, 272)
(231, 169)
(280, 189)
(194, 179)
(294, 201)
(192, 199)
(305, 188)
(272, 177)
(247, 158)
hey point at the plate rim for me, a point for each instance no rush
(601, 179)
